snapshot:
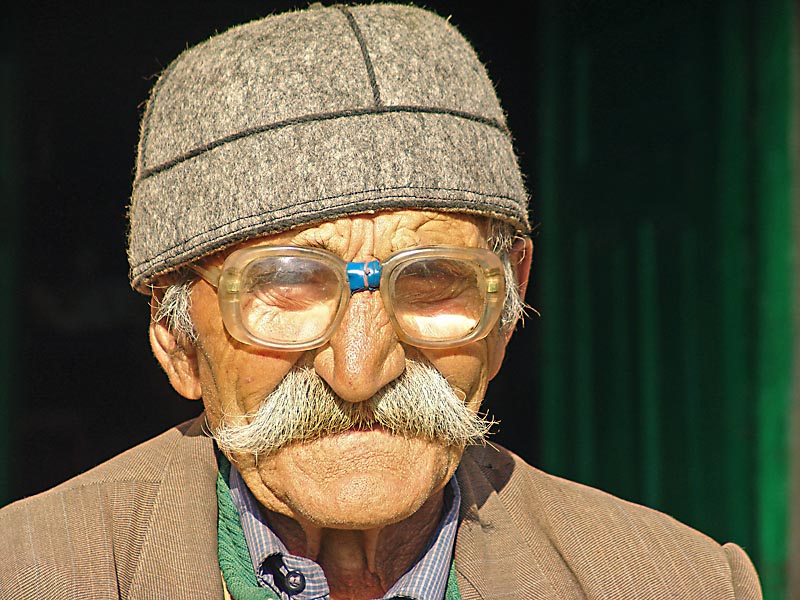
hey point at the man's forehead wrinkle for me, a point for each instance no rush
(319, 236)
(344, 237)
(448, 229)
(365, 237)
(360, 235)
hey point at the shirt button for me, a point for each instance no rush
(288, 580)
(294, 582)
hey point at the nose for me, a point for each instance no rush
(364, 354)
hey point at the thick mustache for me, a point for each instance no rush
(419, 403)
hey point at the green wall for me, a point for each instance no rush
(666, 278)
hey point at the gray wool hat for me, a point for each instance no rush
(311, 115)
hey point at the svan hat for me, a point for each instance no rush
(311, 115)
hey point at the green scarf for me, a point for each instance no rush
(234, 556)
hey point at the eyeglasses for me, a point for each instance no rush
(293, 298)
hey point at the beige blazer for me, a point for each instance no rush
(143, 525)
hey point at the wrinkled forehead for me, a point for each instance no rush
(362, 237)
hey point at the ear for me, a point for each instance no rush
(177, 357)
(521, 256)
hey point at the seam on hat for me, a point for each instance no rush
(147, 263)
(314, 117)
(376, 92)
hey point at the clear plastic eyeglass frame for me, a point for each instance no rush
(486, 269)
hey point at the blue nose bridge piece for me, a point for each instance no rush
(363, 276)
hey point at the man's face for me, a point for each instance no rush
(359, 479)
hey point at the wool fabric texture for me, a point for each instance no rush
(234, 557)
(311, 115)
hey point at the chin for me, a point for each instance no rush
(361, 481)
(370, 500)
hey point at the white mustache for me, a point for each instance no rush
(418, 404)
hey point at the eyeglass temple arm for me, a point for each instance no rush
(210, 274)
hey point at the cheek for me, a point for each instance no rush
(496, 343)
(234, 377)
(465, 370)
(234, 381)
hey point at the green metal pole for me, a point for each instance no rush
(793, 585)
(773, 178)
(734, 269)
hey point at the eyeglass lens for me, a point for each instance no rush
(291, 299)
(437, 298)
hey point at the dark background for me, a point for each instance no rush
(85, 383)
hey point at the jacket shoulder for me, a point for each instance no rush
(611, 546)
(86, 534)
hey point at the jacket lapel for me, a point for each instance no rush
(494, 559)
(179, 554)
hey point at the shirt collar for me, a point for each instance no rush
(425, 580)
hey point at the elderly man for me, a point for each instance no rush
(329, 218)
